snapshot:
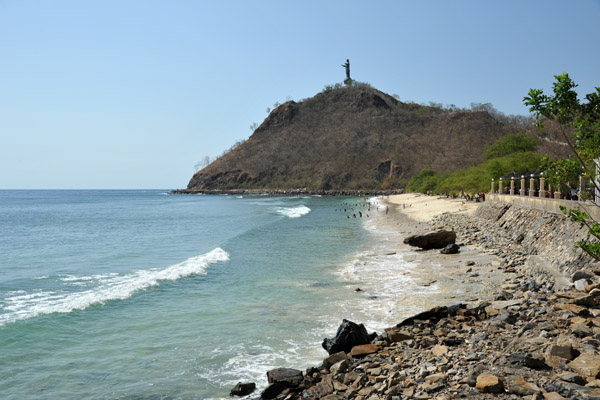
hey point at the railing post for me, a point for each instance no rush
(542, 182)
(512, 186)
(523, 190)
(531, 186)
(500, 189)
(492, 189)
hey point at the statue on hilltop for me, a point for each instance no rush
(348, 80)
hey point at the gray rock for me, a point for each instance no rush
(479, 337)
(450, 249)
(580, 284)
(573, 378)
(581, 275)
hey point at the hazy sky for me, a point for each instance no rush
(132, 93)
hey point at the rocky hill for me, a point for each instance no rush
(353, 137)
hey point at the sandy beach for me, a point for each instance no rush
(434, 279)
(424, 208)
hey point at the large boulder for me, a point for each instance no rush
(279, 380)
(287, 376)
(347, 336)
(432, 240)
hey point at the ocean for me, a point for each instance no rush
(144, 295)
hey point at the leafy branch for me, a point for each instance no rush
(583, 119)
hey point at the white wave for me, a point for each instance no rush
(24, 305)
(389, 287)
(293, 212)
(250, 361)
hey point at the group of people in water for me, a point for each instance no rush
(362, 208)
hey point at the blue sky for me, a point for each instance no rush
(132, 93)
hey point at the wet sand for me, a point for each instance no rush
(469, 276)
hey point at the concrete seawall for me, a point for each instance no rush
(546, 236)
(547, 205)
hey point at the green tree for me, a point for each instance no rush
(426, 181)
(515, 143)
(583, 120)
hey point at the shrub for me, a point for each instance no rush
(515, 143)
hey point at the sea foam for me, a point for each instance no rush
(101, 288)
(293, 212)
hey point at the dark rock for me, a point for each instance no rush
(581, 275)
(563, 351)
(286, 376)
(451, 249)
(432, 240)
(347, 336)
(517, 358)
(573, 378)
(591, 300)
(452, 341)
(243, 389)
(535, 361)
(434, 314)
(272, 391)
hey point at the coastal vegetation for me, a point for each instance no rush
(579, 126)
(583, 119)
(514, 152)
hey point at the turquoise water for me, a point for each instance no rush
(138, 294)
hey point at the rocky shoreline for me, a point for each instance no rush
(538, 338)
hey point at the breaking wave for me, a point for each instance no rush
(293, 212)
(100, 288)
